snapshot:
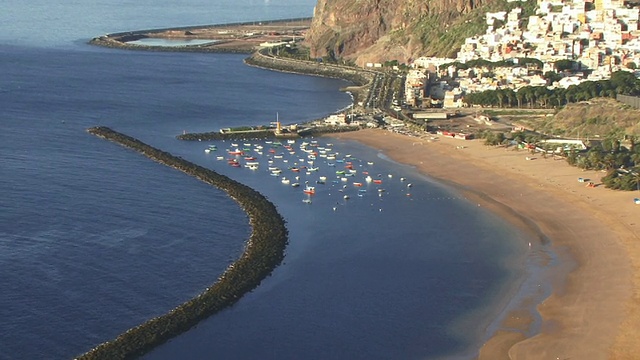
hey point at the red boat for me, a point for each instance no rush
(309, 190)
(249, 158)
(377, 181)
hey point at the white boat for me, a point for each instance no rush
(306, 201)
(295, 184)
(368, 179)
(285, 181)
(219, 157)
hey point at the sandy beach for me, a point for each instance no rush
(594, 310)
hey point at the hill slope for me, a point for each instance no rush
(380, 30)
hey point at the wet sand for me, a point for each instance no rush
(594, 310)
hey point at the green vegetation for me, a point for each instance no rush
(621, 82)
(264, 251)
(481, 63)
(621, 163)
(499, 138)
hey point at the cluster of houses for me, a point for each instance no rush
(599, 36)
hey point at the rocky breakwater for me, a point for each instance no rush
(264, 59)
(264, 251)
(361, 78)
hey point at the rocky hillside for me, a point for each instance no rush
(597, 118)
(600, 117)
(381, 30)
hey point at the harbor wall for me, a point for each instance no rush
(263, 59)
(263, 253)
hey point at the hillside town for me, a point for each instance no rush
(571, 41)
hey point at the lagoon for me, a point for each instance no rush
(171, 42)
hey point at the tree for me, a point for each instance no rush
(520, 96)
(562, 65)
(501, 96)
(551, 77)
(624, 82)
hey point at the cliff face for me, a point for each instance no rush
(380, 30)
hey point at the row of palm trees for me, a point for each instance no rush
(621, 82)
(264, 251)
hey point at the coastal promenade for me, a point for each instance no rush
(594, 310)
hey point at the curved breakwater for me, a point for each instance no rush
(264, 251)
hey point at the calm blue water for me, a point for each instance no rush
(95, 239)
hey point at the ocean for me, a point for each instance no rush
(95, 239)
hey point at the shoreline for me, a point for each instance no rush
(593, 311)
(263, 252)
